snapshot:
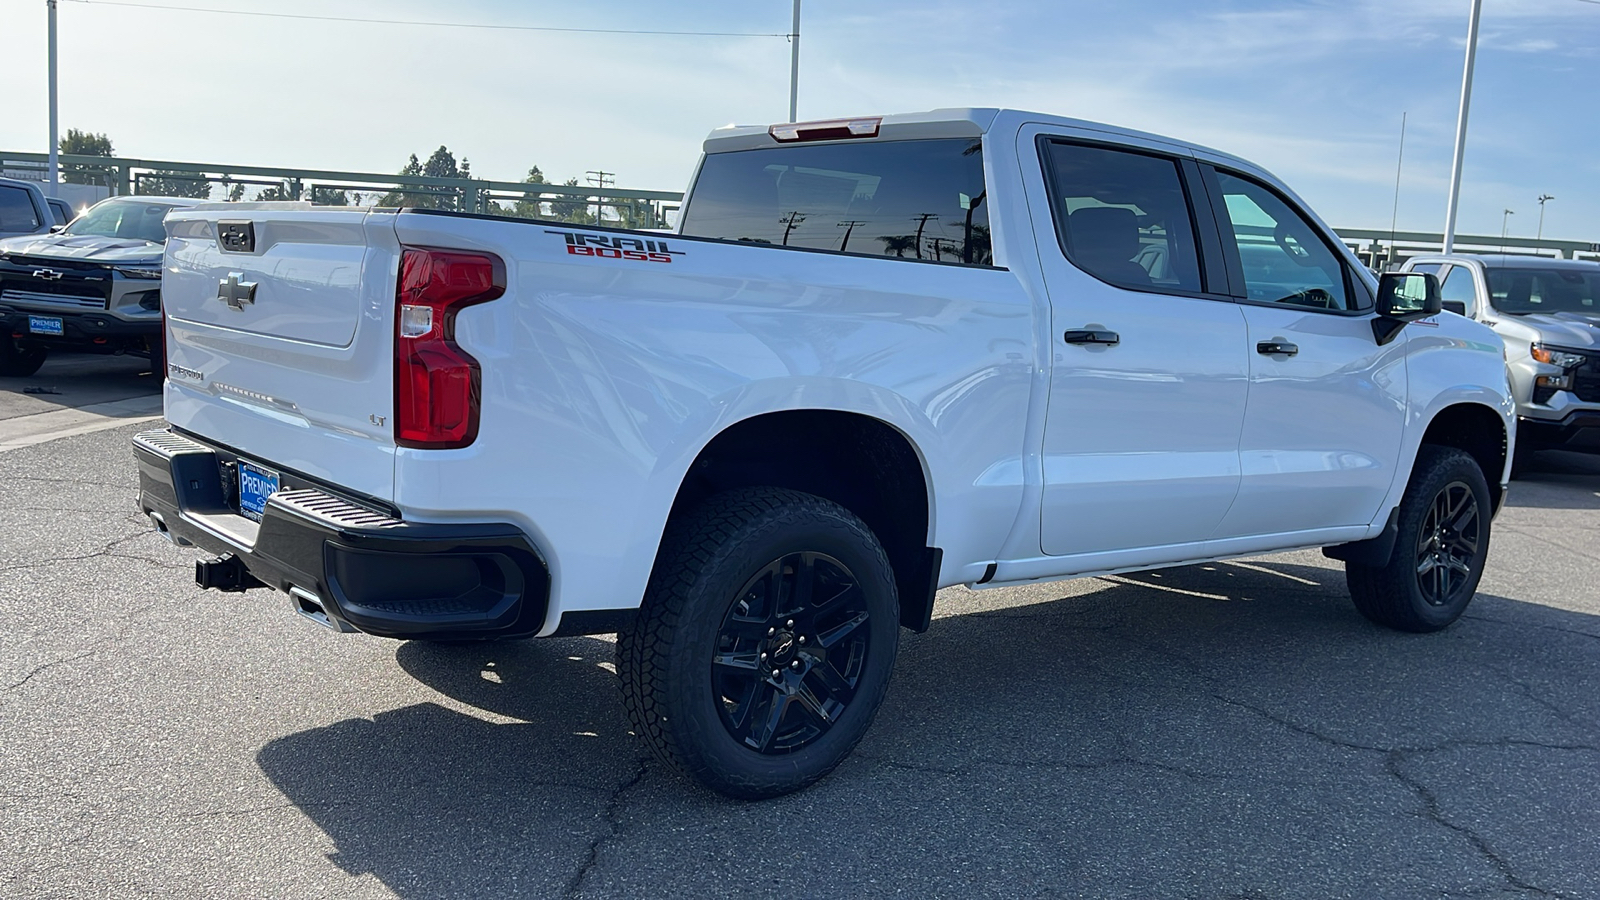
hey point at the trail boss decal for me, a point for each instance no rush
(615, 246)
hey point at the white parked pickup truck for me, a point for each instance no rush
(880, 356)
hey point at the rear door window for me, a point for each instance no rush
(921, 200)
(16, 210)
(1124, 218)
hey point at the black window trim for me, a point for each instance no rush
(1230, 249)
(1210, 265)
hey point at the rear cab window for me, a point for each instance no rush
(913, 200)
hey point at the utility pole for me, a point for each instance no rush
(1505, 221)
(599, 179)
(790, 223)
(922, 222)
(848, 226)
(1542, 199)
(794, 63)
(1461, 129)
(55, 140)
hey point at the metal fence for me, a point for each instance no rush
(1378, 248)
(1381, 248)
(576, 203)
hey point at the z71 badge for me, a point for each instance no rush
(615, 246)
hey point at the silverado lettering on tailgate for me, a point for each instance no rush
(616, 246)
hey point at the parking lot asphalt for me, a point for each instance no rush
(1225, 730)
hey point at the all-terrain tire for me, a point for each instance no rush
(747, 708)
(1438, 557)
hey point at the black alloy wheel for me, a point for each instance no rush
(791, 652)
(1447, 545)
(764, 644)
(1438, 557)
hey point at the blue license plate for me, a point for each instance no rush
(256, 484)
(44, 325)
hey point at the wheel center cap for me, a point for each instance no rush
(782, 646)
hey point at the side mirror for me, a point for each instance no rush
(1455, 306)
(1404, 297)
(57, 229)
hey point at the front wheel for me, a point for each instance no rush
(1438, 557)
(764, 645)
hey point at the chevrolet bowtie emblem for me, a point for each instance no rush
(235, 291)
(47, 274)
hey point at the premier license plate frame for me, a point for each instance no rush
(256, 484)
(46, 325)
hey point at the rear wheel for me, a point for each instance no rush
(1438, 557)
(20, 362)
(764, 645)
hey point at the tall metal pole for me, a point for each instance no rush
(1461, 129)
(55, 141)
(794, 64)
(1543, 199)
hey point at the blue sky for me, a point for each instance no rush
(1312, 89)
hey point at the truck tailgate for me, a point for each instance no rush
(281, 346)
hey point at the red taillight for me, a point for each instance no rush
(436, 384)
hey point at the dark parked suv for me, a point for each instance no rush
(94, 286)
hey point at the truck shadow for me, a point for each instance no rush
(1256, 679)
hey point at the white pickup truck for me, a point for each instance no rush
(880, 356)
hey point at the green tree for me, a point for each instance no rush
(162, 183)
(329, 197)
(441, 164)
(275, 194)
(530, 207)
(570, 208)
(84, 143)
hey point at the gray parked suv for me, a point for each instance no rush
(1548, 313)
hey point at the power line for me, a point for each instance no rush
(274, 15)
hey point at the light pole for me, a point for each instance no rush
(1542, 199)
(1461, 128)
(1505, 220)
(794, 64)
(55, 142)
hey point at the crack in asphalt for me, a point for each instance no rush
(127, 621)
(1587, 634)
(1430, 805)
(1529, 693)
(614, 826)
(1396, 757)
(105, 552)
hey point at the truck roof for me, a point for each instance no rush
(953, 122)
(1511, 260)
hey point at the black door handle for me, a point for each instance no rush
(1092, 336)
(1276, 348)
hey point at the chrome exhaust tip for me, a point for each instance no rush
(310, 606)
